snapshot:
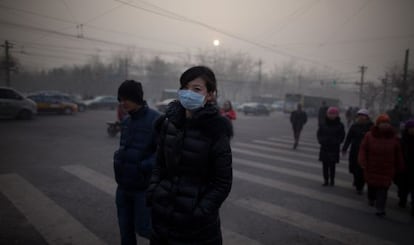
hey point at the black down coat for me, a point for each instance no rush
(192, 176)
(330, 136)
(354, 138)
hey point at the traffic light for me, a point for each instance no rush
(399, 99)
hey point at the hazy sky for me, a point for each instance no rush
(328, 34)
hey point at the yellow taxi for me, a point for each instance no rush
(53, 104)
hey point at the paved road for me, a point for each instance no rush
(57, 187)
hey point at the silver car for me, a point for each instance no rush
(14, 105)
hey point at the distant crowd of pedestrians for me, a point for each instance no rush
(381, 152)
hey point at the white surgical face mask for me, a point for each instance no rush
(190, 100)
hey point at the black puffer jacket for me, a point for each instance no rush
(330, 136)
(192, 176)
(354, 138)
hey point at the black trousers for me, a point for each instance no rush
(296, 133)
(329, 171)
(379, 195)
(359, 179)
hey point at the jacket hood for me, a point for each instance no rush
(384, 133)
(138, 113)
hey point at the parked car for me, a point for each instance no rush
(102, 102)
(277, 105)
(255, 108)
(14, 105)
(53, 104)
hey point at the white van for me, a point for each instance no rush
(14, 105)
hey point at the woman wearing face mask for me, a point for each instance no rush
(381, 158)
(193, 172)
(330, 136)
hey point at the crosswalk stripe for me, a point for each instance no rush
(286, 146)
(53, 222)
(283, 159)
(98, 180)
(314, 194)
(108, 185)
(310, 140)
(324, 228)
(281, 151)
(230, 237)
(291, 142)
(300, 174)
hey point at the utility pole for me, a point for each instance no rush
(260, 75)
(126, 68)
(361, 84)
(407, 55)
(385, 92)
(405, 91)
(7, 62)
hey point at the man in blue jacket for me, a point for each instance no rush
(133, 163)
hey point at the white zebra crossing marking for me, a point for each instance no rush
(303, 175)
(281, 151)
(284, 159)
(285, 146)
(316, 195)
(98, 180)
(314, 145)
(108, 185)
(310, 140)
(55, 224)
(306, 222)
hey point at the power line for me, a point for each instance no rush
(69, 10)
(172, 15)
(86, 23)
(351, 41)
(297, 13)
(349, 19)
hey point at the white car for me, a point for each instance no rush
(14, 105)
(162, 105)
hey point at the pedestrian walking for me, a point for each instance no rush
(322, 113)
(298, 119)
(405, 180)
(354, 138)
(381, 158)
(133, 163)
(228, 111)
(330, 136)
(349, 115)
(193, 173)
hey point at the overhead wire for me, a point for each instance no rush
(172, 15)
(86, 24)
(297, 13)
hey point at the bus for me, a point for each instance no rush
(310, 104)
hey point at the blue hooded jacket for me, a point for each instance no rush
(135, 158)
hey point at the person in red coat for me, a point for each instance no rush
(227, 111)
(380, 157)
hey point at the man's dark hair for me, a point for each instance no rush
(131, 90)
